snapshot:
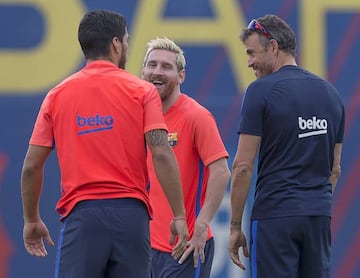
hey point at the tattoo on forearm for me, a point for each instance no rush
(158, 137)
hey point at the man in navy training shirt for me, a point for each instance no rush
(295, 120)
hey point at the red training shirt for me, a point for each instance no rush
(97, 118)
(195, 139)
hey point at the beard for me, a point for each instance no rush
(122, 61)
(123, 57)
(264, 70)
(167, 90)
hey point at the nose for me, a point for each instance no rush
(157, 70)
(250, 62)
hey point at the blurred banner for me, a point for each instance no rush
(39, 47)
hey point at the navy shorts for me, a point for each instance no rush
(163, 264)
(105, 239)
(291, 247)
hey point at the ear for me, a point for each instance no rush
(116, 45)
(274, 45)
(142, 73)
(182, 75)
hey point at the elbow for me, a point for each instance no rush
(161, 155)
(28, 171)
(31, 168)
(242, 169)
(225, 175)
(220, 170)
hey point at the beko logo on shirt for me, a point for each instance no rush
(312, 126)
(94, 123)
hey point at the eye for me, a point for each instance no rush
(151, 65)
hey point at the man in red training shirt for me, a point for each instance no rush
(202, 159)
(99, 120)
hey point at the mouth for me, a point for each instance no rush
(158, 83)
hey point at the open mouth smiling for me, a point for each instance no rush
(158, 83)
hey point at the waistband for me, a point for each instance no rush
(118, 203)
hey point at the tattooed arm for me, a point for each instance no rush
(166, 169)
(167, 172)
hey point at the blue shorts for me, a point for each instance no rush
(291, 247)
(163, 264)
(105, 239)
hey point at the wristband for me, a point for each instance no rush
(179, 218)
(235, 223)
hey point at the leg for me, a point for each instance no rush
(275, 248)
(83, 246)
(315, 256)
(130, 256)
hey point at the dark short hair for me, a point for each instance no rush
(279, 31)
(96, 31)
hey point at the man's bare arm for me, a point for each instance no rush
(166, 168)
(336, 169)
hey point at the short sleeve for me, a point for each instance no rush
(42, 134)
(252, 110)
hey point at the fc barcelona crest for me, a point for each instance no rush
(172, 138)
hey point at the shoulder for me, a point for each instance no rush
(65, 82)
(262, 84)
(135, 81)
(193, 109)
(259, 90)
(329, 86)
(196, 115)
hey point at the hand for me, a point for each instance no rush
(178, 227)
(33, 234)
(196, 245)
(237, 240)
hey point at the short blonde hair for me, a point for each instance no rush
(166, 44)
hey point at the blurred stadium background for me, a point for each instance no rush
(38, 48)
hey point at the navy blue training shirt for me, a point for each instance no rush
(300, 117)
